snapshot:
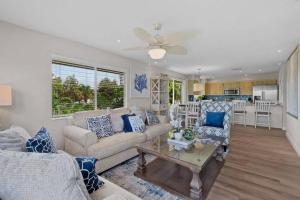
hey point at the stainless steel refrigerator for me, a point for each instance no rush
(265, 92)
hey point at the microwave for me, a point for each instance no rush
(232, 91)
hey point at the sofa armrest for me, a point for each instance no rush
(79, 135)
(162, 119)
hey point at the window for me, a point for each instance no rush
(79, 88)
(175, 91)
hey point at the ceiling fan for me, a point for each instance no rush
(158, 45)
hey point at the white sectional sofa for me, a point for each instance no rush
(112, 150)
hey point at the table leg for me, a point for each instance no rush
(196, 186)
(141, 162)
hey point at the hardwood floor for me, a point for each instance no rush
(260, 165)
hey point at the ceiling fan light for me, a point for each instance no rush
(157, 53)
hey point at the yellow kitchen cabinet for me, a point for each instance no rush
(265, 82)
(214, 89)
(246, 88)
(190, 87)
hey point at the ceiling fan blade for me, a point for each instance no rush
(144, 35)
(135, 49)
(179, 37)
(176, 50)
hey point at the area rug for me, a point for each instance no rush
(122, 175)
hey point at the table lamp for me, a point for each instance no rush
(5, 97)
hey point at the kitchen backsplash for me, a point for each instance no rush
(228, 97)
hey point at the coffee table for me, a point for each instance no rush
(186, 173)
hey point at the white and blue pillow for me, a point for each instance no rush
(101, 125)
(42, 142)
(127, 127)
(137, 124)
(87, 168)
(151, 118)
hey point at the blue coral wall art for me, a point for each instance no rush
(140, 82)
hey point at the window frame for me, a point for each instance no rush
(95, 68)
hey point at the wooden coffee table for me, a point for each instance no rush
(186, 173)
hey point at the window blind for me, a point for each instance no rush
(79, 88)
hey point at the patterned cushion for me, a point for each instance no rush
(79, 118)
(42, 142)
(127, 125)
(151, 118)
(87, 168)
(139, 112)
(101, 125)
(137, 124)
(206, 131)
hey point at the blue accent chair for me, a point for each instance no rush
(211, 132)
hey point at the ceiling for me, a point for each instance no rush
(253, 36)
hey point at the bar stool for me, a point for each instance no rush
(262, 109)
(239, 109)
(192, 114)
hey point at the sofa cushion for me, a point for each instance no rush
(114, 144)
(127, 125)
(137, 124)
(151, 118)
(157, 130)
(87, 169)
(101, 125)
(14, 139)
(38, 176)
(117, 122)
(139, 112)
(42, 142)
(79, 118)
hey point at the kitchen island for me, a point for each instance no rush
(276, 116)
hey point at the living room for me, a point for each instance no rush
(64, 63)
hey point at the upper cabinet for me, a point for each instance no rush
(244, 86)
(214, 88)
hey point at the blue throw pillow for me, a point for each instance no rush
(87, 168)
(42, 142)
(152, 119)
(215, 119)
(101, 125)
(127, 125)
(137, 124)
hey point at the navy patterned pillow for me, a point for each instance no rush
(42, 142)
(90, 178)
(101, 125)
(137, 124)
(151, 118)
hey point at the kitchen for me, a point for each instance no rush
(248, 90)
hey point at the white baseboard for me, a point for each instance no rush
(293, 143)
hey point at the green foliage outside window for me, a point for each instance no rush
(70, 96)
(177, 91)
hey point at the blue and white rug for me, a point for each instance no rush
(122, 175)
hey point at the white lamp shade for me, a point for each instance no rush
(157, 53)
(199, 87)
(5, 95)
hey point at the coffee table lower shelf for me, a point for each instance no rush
(176, 178)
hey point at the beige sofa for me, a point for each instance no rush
(112, 150)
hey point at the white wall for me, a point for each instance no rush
(25, 64)
(293, 124)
